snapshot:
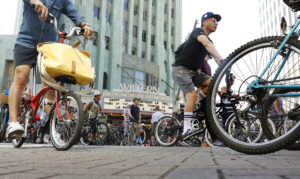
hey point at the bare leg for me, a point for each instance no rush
(21, 77)
(152, 140)
(191, 98)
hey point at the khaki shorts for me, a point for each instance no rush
(134, 128)
(187, 80)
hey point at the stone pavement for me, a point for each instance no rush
(42, 161)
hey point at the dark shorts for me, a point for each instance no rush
(24, 55)
(153, 126)
(187, 80)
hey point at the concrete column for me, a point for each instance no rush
(149, 25)
(159, 39)
(116, 52)
(19, 17)
(178, 23)
(130, 26)
(177, 27)
(169, 50)
(140, 28)
(100, 57)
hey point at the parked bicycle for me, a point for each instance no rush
(266, 68)
(169, 128)
(94, 132)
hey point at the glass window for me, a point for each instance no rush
(135, 31)
(125, 5)
(139, 78)
(127, 76)
(152, 39)
(96, 12)
(107, 42)
(95, 41)
(124, 26)
(136, 7)
(144, 36)
(133, 51)
(107, 17)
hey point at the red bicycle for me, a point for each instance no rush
(64, 121)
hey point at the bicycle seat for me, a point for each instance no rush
(66, 79)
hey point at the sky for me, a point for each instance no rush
(239, 24)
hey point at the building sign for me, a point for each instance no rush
(145, 105)
(140, 88)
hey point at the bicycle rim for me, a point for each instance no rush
(166, 137)
(246, 75)
(65, 132)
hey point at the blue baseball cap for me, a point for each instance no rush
(209, 15)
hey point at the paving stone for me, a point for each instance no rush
(42, 161)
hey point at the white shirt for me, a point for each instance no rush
(155, 116)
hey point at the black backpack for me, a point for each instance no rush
(294, 4)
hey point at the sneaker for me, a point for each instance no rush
(189, 133)
(38, 140)
(218, 143)
(13, 129)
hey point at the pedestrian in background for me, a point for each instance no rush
(135, 120)
(126, 121)
(155, 117)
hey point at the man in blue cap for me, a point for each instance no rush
(188, 58)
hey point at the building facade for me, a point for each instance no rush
(133, 51)
(271, 13)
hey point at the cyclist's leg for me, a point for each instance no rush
(49, 99)
(21, 77)
(183, 77)
(131, 128)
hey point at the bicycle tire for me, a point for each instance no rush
(56, 140)
(4, 113)
(102, 141)
(257, 148)
(143, 140)
(161, 143)
(84, 136)
(18, 142)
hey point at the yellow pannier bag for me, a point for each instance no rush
(59, 60)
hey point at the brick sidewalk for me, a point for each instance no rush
(40, 161)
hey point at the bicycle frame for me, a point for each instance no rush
(256, 84)
(35, 101)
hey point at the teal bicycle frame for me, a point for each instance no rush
(256, 84)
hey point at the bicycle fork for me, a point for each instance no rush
(27, 118)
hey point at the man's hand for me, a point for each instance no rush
(88, 31)
(40, 8)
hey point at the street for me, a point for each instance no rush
(43, 161)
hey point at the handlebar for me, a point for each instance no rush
(75, 31)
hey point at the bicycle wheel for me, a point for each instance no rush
(25, 117)
(65, 132)
(3, 122)
(167, 131)
(102, 133)
(245, 129)
(84, 138)
(139, 140)
(247, 63)
(208, 139)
